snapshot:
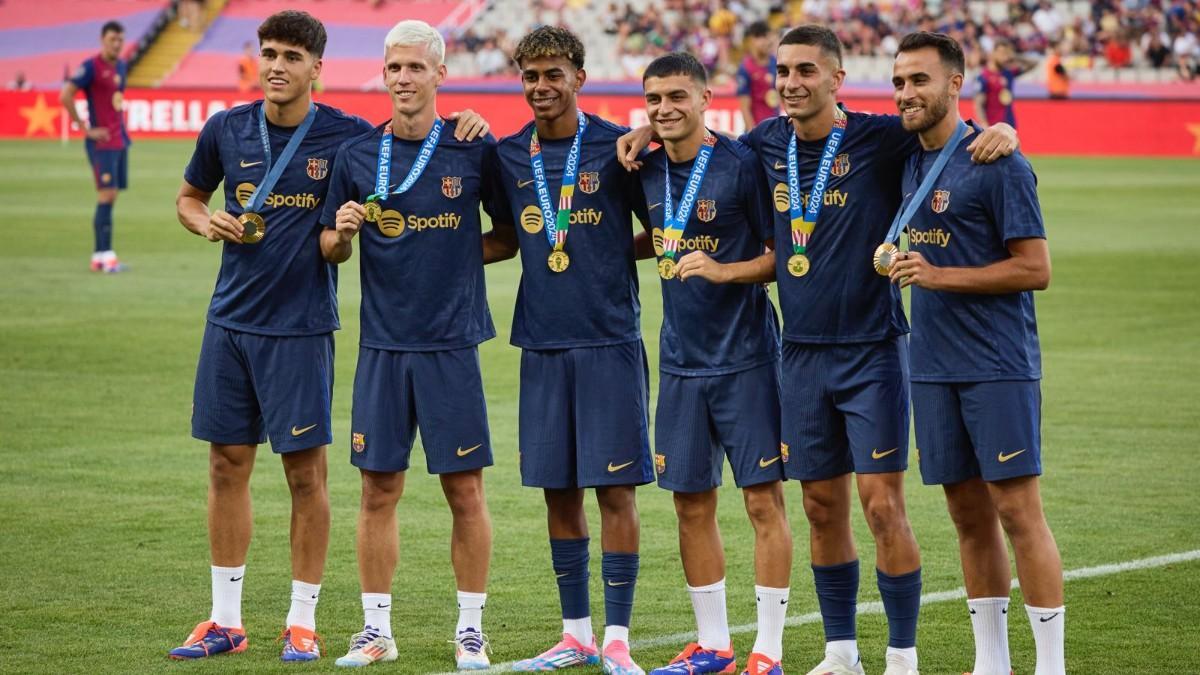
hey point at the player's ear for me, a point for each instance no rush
(316, 67)
(441, 75)
(839, 77)
(956, 82)
(705, 99)
(580, 76)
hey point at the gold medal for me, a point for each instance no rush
(254, 228)
(798, 265)
(666, 268)
(558, 261)
(884, 255)
(374, 212)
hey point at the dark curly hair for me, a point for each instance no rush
(948, 49)
(294, 28)
(550, 42)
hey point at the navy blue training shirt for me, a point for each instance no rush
(280, 285)
(422, 263)
(967, 220)
(715, 329)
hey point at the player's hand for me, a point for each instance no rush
(998, 140)
(470, 125)
(349, 220)
(699, 264)
(912, 269)
(224, 227)
(97, 134)
(631, 144)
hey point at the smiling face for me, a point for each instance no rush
(924, 88)
(551, 85)
(675, 105)
(286, 72)
(807, 80)
(412, 77)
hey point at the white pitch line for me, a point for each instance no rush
(926, 599)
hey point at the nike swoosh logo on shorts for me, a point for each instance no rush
(464, 453)
(764, 462)
(1004, 458)
(876, 454)
(618, 467)
(301, 432)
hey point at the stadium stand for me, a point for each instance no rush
(356, 31)
(48, 39)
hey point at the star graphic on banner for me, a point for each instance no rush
(41, 117)
(1195, 131)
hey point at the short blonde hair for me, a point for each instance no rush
(417, 33)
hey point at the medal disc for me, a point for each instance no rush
(558, 261)
(666, 268)
(254, 228)
(374, 211)
(884, 255)
(798, 265)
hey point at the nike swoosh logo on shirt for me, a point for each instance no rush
(246, 165)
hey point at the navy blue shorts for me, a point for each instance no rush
(583, 417)
(987, 429)
(845, 408)
(110, 168)
(440, 393)
(253, 387)
(700, 420)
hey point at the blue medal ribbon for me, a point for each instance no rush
(674, 224)
(275, 169)
(804, 220)
(910, 208)
(557, 223)
(383, 166)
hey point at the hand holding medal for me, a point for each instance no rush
(372, 209)
(674, 223)
(254, 226)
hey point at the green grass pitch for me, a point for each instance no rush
(103, 550)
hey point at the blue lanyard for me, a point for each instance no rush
(675, 224)
(275, 170)
(383, 170)
(918, 197)
(554, 222)
(803, 222)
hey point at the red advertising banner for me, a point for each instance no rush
(1080, 127)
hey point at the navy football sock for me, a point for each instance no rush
(620, 571)
(901, 597)
(837, 595)
(570, 558)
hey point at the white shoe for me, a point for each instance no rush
(470, 650)
(897, 665)
(368, 647)
(832, 665)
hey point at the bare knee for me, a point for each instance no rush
(884, 512)
(381, 491)
(305, 472)
(694, 508)
(824, 510)
(230, 466)
(764, 505)
(464, 493)
(617, 501)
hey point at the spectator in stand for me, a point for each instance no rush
(248, 68)
(994, 95)
(1058, 82)
(1185, 48)
(491, 60)
(1117, 52)
(19, 83)
(756, 93)
(1048, 20)
(1157, 52)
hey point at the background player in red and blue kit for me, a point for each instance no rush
(996, 83)
(719, 362)
(977, 252)
(102, 80)
(845, 355)
(424, 311)
(266, 362)
(584, 376)
(757, 98)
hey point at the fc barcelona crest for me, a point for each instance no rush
(358, 442)
(589, 181)
(783, 452)
(841, 165)
(317, 168)
(660, 463)
(941, 201)
(706, 210)
(451, 186)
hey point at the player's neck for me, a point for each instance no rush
(105, 58)
(563, 126)
(816, 127)
(685, 149)
(938, 135)
(414, 127)
(289, 114)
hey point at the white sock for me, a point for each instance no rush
(772, 611)
(108, 256)
(304, 605)
(227, 596)
(712, 623)
(580, 629)
(470, 611)
(98, 256)
(377, 612)
(1048, 638)
(615, 633)
(907, 654)
(844, 650)
(989, 622)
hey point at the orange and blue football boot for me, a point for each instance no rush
(209, 639)
(299, 644)
(696, 660)
(759, 664)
